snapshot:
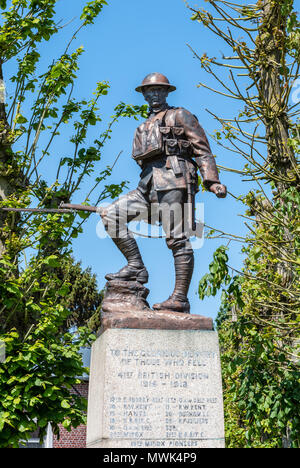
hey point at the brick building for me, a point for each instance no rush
(77, 437)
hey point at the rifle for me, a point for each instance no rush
(63, 208)
(190, 200)
(70, 206)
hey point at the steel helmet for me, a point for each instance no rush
(155, 79)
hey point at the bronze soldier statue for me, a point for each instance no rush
(169, 147)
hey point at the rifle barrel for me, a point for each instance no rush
(34, 210)
(63, 208)
(70, 206)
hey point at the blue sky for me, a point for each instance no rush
(129, 40)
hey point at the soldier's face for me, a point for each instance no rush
(155, 95)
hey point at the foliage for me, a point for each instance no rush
(80, 296)
(258, 322)
(37, 378)
(260, 372)
(39, 282)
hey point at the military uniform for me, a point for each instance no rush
(185, 147)
(169, 147)
(164, 175)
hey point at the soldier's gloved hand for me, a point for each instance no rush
(219, 189)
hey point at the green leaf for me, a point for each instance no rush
(52, 261)
(20, 119)
(67, 424)
(65, 404)
(13, 289)
(48, 392)
(38, 382)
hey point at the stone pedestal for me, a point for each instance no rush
(155, 388)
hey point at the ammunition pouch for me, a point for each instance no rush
(171, 147)
(165, 131)
(185, 148)
(159, 140)
(147, 144)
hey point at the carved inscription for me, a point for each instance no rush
(171, 395)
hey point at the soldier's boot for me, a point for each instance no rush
(135, 270)
(178, 301)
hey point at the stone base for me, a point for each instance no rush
(155, 389)
(155, 320)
